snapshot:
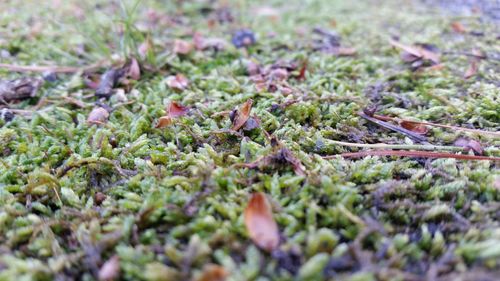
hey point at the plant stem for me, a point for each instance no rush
(398, 146)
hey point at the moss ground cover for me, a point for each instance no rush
(239, 97)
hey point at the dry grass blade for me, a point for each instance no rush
(388, 118)
(424, 154)
(53, 69)
(260, 223)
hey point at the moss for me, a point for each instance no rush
(176, 195)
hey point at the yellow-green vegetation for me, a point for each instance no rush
(82, 197)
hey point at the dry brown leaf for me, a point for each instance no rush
(110, 270)
(178, 82)
(174, 110)
(298, 168)
(457, 27)
(415, 127)
(201, 43)
(260, 223)
(19, 89)
(163, 122)
(344, 51)
(472, 70)
(242, 115)
(213, 272)
(182, 47)
(134, 70)
(415, 51)
(469, 144)
(98, 115)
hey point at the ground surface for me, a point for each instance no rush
(123, 198)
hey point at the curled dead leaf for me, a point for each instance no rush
(201, 43)
(260, 223)
(213, 272)
(472, 70)
(110, 270)
(174, 110)
(413, 53)
(182, 47)
(108, 81)
(134, 70)
(469, 144)
(242, 115)
(98, 115)
(19, 89)
(163, 122)
(457, 27)
(178, 82)
(414, 127)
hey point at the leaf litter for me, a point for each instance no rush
(124, 200)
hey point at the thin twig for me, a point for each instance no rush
(425, 154)
(387, 118)
(408, 133)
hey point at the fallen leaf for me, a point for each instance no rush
(178, 82)
(457, 27)
(253, 68)
(18, 89)
(108, 81)
(414, 127)
(201, 43)
(252, 123)
(303, 69)
(496, 183)
(174, 110)
(98, 115)
(413, 53)
(182, 47)
(469, 144)
(134, 70)
(280, 157)
(163, 122)
(242, 115)
(472, 70)
(478, 53)
(110, 270)
(260, 223)
(213, 272)
(298, 168)
(75, 102)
